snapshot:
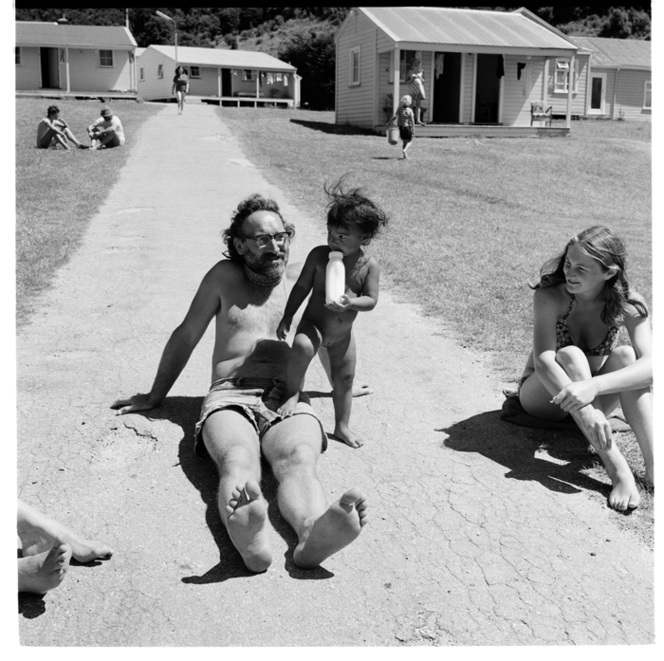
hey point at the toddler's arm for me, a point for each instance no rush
(300, 291)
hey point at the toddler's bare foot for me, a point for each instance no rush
(44, 571)
(624, 495)
(247, 526)
(288, 407)
(337, 527)
(349, 437)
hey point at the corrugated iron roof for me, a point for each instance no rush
(464, 27)
(56, 35)
(626, 53)
(219, 57)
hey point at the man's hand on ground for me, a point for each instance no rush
(136, 403)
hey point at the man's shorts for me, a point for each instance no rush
(258, 399)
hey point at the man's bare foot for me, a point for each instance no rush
(337, 527)
(349, 437)
(44, 571)
(288, 407)
(624, 495)
(247, 526)
(361, 391)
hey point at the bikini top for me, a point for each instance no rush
(563, 339)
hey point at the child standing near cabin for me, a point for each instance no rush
(352, 221)
(405, 122)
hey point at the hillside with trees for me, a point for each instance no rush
(304, 36)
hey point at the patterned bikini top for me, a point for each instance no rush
(563, 339)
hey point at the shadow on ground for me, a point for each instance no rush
(517, 448)
(202, 473)
(336, 129)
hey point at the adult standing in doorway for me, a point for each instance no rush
(416, 88)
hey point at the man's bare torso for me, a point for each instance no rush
(246, 343)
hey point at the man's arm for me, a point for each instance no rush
(180, 345)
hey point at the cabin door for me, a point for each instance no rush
(50, 71)
(226, 84)
(446, 88)
(487, 89)
(597, 94)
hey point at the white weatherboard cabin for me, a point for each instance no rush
(58, 59)
(619, 79)
(226, 77)
(483, 70)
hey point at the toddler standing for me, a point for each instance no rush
(352, 221)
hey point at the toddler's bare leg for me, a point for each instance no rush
(359, 389)
(342, 362)
(305, 346)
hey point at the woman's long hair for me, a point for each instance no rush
(608, 249)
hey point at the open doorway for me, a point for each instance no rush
(487, 89)
(446, 88)
(50, 68)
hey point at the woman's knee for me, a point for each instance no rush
(570, 356)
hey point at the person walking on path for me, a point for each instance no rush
(52, 131)
(246, 294)
(180, 86)
(581, 301)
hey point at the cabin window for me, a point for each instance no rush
(249, 75)
(354, 66)
(17, 55)
(195, 72)
(105, 58)
(160, 71)
(647, 95)
(561, 76)
(141, 73)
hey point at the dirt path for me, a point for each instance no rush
(473, 538)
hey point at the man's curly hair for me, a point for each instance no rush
(255, 202)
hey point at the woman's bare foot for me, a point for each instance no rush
(288, 407)
(349, 437)
(337, 527)
(44, 571)
(624, 495)
(247, 526)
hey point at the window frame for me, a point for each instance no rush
(647, 95)
(18, 56)
(191, 71)
(141, 74)
(249, 75)
(160, 71)
(404, 57)
(562, 65)
(354, 53)
(101, 57)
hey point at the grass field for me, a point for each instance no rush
(58, 191)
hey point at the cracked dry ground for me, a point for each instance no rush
(473, 539)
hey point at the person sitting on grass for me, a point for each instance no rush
(106, 131)
(47, 548)
(581, 301)
(53, 131)
(352, 221)
(405, 121)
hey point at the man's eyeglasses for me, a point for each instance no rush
(261, 240)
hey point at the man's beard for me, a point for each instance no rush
(265, 271)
